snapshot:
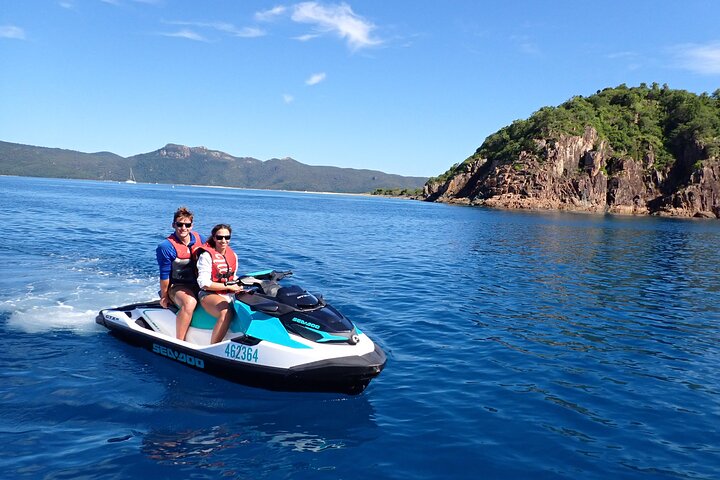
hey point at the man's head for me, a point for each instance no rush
(182, 222)
(183, 212)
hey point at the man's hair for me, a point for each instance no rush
(182, 212)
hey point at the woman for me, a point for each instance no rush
(217, 266)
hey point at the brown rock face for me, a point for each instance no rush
(700, 198)
(579, 173)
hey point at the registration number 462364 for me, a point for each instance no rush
(241, 352)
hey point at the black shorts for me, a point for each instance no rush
(177, 286)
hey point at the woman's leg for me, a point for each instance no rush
(218, 307)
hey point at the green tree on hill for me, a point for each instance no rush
(634, 121)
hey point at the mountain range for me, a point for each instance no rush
(179, 164)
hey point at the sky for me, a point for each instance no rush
(408, 87)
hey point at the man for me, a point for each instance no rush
(178, 281)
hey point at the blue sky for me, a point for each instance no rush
(406, 87)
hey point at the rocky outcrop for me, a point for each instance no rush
(172, 150)
(700, 198)
(580, 173)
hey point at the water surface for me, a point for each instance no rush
(519, 344)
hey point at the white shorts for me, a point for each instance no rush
(229, 297)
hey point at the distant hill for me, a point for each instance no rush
(195, 166)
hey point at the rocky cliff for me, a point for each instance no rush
(586, 173)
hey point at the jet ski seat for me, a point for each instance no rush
(200, 331)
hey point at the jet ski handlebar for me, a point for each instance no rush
(272, 276)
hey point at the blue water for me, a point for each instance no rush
(520, 345)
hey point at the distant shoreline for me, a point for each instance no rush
(122, 182)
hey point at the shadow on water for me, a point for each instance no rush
(204, 424)
(261, 435)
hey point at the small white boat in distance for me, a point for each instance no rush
(132, 177)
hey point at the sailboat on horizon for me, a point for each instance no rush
(132, 177)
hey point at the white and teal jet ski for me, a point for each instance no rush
(280, 338)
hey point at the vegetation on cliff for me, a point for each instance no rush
(635, 122)
(398, 192)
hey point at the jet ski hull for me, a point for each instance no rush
(298, 365)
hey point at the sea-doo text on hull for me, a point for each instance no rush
(280, 338)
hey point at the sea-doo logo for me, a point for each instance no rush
(307, 324)
(180, 357)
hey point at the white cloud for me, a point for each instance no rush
(268, 15)
(11, 31)
(526, 44)
(702, 59)
(224, 27)
(147, 2)
(248, 32)
(229, 28)
(67, 4)
(530, 48)
(315, 78)
(287, 98)
(305, 38)
(621, 55)
(185, 33)
(337, 19)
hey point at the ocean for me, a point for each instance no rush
(520, 344)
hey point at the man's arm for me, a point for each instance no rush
(163, 253)
(165, 293)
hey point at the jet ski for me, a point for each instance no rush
(281, 338)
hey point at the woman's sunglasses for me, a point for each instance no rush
(222, 237)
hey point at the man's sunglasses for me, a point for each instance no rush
(183, 224)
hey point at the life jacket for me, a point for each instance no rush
(183, 267)
(222, 265)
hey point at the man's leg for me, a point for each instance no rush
(185, 299)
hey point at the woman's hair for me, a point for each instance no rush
(219, 226)
(182, 212)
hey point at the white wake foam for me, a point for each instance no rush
(73, 302)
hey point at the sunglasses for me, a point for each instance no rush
(222, 237)
(183, 224)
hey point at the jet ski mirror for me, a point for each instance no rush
(281, 275)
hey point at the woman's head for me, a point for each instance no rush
(220, 234)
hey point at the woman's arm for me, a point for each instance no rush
(204, 267)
